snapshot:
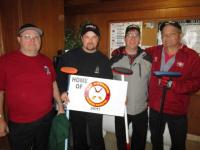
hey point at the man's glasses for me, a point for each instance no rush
(30, 37)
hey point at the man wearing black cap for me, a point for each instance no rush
(27, 82)
(133, 57)
(172, 56)
(89, 62)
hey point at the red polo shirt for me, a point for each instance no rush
(28, 85)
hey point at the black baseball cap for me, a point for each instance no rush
(30, 27)
(173, 23)
(132, 27)
(90, 27)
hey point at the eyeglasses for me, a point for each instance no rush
(28, 37)
(170, 35)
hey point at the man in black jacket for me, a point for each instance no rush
(89, 62)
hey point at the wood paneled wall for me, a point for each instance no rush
(103, 18)
(47, 14)
(194, 114)
(138, 10)
(9, 24)
(1, 39)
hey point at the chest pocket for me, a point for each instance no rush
(141, 67)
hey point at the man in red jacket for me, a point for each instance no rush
(172, 56)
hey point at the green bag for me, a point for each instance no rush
(59, 132)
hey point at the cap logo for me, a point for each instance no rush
(90, 26)
(170, 22)
(132, 27)
(173, 23)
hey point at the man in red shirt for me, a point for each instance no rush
(27, 83)
(175, 57)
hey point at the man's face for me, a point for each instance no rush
(90, 41)
(132, 39)
(30, 42)
(171, 36)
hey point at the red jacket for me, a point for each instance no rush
(187, 62)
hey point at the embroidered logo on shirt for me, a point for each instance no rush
(96, 70)
(47, 70)
(180, 64)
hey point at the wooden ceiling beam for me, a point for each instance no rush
(101, 6)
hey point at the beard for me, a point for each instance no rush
(90, 46)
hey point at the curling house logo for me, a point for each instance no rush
(97, 94)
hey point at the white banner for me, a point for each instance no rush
(97, 95)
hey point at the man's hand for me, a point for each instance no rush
(65, 98)
(3, 127)
(61, 103)
(166, 82)
(64, 101)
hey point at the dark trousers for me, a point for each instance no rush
(139, 126)
(87, 126)
(30, 136)
(177, 129)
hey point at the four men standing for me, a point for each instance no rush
(26, 72)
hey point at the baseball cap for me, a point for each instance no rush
(132, 27)
(173, 23)
(30, 27)
(90, 27)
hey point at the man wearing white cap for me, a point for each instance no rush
(27, 83)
